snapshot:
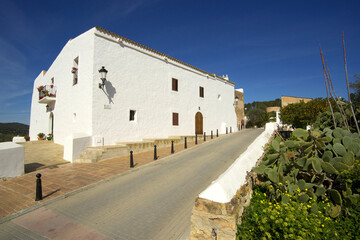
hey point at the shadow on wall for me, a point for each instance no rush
(110, 91)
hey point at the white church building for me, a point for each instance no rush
(145, 94)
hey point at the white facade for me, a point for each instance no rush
(138, 79)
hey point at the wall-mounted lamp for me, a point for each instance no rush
(236, 99)
(103, 73)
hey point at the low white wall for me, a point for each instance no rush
(224, 188)
(75, 144)
(18, 139)
(11, 159)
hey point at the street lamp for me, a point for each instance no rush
(103, 73)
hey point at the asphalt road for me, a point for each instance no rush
(151, 202)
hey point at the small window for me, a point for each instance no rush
(175, 119)
(201, 91)
(132, 115)
(174, 84)
(75, 70)
(52, 81)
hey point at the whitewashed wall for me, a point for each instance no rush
(137, 80)
(143, 82)
(11, 159)
(70, 100)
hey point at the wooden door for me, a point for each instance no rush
(198, 123)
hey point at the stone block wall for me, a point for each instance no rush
(222, 217)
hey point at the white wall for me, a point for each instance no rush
(69, 99)
(225, 186)
(11, 159)
(137, 80)
(142, 82)
(75, 144)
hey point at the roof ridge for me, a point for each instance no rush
(159, 53)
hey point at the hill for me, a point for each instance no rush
(9, 130)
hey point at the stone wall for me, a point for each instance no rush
(286, 100)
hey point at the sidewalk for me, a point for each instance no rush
(18, 193)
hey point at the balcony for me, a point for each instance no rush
(47, 94)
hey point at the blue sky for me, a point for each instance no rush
(268, 48)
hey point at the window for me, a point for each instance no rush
(75, 70)
(132, 115)
(174, 84)
(175, 119)
(201, 91)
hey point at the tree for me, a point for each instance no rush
(355, 96)
(301, 114)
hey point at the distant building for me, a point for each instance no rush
(286, 100)
(239, 106)
(146, 94)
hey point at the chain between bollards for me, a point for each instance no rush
(131, 159)
(185, 143)
(155, 153)
(38, 188)
(204, 136)
(172, 146)
(211, 134)
(195, 138)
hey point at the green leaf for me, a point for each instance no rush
(328, 168)
(320, 191)
(290, 144)
(276, 145)
(300, 133)
(314, 208)
(341, 166)
(301, 162)
(293, 188)
(354, 147)
(334, 211)
(316, 164)
(301, 183)
(335, 196)
(327, 154)
(326, 139)
(273, 175)
(339, 149)
(285, 199)
(337, 133)
(260, 169)
(348, 158)
(303, 198)
(347, 141)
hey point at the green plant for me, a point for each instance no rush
(41, 135)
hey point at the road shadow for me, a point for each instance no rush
(51, 193)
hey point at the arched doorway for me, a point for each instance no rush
(198, 123)
(51, 124)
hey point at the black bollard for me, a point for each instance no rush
(131, 159)
(217, 133)
(230, 130)
(226, 130)
(185, 143)
(195, 138)
(172, 146)
(204, 136)
(155, 154)
(211, 134)
(38, 188)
